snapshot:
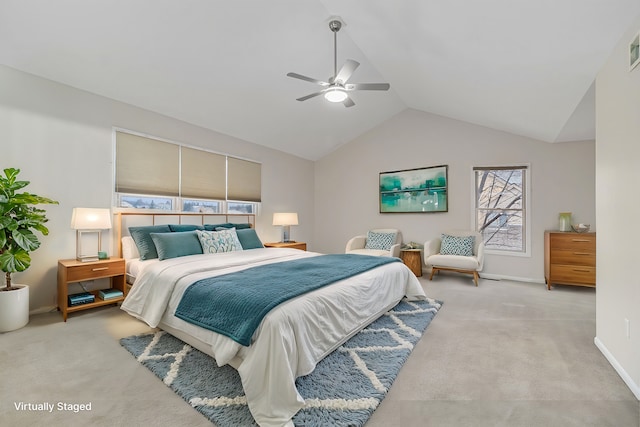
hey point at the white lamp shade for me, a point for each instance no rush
(91, 219)
(285, 218)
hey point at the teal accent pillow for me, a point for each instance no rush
(173, 245)
(249, 238)
(214, 242)
(213, 227)
(382, 241)
(144, 243)
(457, 245)
(185, 227)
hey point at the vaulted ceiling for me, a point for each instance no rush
(525, 67)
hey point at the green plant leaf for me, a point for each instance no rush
(26, 239)
(15, 261)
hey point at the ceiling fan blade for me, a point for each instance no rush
(367, 86)
(348, 102)
(304, 98)
(307, 79)
(346, 71)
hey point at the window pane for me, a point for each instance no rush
(201, 206)
(146, 202)
(499, 188)
(501, 230)
(241, 208)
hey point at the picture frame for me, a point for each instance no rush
(634, 51)
(420, 190)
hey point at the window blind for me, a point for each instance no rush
(243, 180)
(146, 166)
(203, 174)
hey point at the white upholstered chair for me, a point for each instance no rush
(461, 251)
(378, 242)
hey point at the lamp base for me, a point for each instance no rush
(285, 234)
(87, 258)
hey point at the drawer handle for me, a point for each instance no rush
(581, 240)
(582, 253)
(100, 269)
(581, 271)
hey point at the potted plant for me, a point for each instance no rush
(19, 219)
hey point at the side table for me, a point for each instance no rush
(412, 259)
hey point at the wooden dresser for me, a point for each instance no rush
(569, 258)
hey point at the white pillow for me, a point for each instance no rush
(129, 248)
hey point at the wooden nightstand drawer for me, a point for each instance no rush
(94, 270)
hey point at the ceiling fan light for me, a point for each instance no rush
(335, 95)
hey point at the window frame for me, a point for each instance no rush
(177, 201)
(526, 207)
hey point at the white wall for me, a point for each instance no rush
(61, 139)
(346, 183)
(618, 210)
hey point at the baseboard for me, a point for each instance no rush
(635, 388)
(513, 278)
(43, 310)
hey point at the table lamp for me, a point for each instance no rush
(285, 219)
(89, 220)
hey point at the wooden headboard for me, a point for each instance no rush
(124, 220)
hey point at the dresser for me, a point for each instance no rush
(569, 258)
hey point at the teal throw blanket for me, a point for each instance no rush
(234, 304)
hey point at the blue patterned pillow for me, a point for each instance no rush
(214, 242)
(457, 245)
(382, 241)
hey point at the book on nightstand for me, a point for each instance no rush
(110, 293)
(82, 298)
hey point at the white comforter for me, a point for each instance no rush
(291, 339)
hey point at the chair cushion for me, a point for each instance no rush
(457, 245)
(371, 252)
(382, 241)
(453, 261)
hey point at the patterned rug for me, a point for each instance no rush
(344, 389)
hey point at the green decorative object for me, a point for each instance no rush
(565, 221)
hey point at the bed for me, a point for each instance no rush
(290, 340)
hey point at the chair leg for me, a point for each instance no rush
(433, 271)
(475, 277)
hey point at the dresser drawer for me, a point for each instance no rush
(90, 271)
(573, 241)
(574, 257)
(573, 274)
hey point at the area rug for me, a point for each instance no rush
(344, 389)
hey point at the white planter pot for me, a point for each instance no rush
(14, 308)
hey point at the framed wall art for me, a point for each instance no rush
(414, 190)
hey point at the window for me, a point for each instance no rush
(501, 208)
(162, 175)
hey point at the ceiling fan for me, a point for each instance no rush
(336, 88)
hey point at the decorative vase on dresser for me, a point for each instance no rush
(569, 258)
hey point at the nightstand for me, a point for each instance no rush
(73, 271)
(413, 259)
(295, 245)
